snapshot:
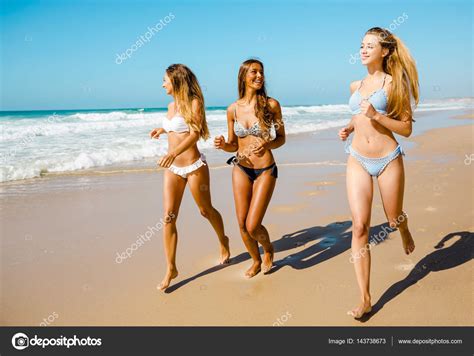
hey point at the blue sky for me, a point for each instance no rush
(63, 54)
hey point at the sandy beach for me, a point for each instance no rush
(64, 238)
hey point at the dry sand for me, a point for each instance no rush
(61, 238)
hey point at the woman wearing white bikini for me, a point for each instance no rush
(249, 120)
(381, 106)
(185, 124)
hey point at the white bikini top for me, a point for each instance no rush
(175, 124)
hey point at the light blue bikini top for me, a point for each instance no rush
(378, 99)
(242, 132)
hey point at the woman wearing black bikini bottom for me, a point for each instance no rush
(249, 121)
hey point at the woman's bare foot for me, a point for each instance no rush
(359, 311)
(267, 260)
(225, 251)
(167, 280)
(253, 270)
(407, 240)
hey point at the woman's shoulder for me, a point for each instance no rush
(354, 85)
(231, 107)
(273, 104)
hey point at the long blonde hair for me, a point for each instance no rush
(401, 66)
(186, 89)
(262, 112)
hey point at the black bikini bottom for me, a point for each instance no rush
(254, 173)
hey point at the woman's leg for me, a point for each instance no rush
(173, 189)
(360, 193)
(262, 193)
(242, 188)
(199, 183)
(392, 185)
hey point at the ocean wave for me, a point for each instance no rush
(453, 104)
(320, 109)
(84, 123)
(31, 145)
(58, 160)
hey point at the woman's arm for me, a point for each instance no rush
(353, 87)
(280, 138)
(403, 126)
(350, 125)
(155, 133)
(187, 143)
(232, 144)
(167, 160)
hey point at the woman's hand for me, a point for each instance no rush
(219, 142)
(259, 146)
(156, 133)
(345, 132)
(167, 160)
(367, 109)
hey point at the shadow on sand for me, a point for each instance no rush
(331, 240)
(441, 259)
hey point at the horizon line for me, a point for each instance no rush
(207, 107)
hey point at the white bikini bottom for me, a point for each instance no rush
(184, 171)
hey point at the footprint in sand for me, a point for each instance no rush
(287, 208)
(321, 184)
(320, 187)
(312, 194)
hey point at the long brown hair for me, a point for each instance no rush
(262, 112)
(186, 89)
(401, 66)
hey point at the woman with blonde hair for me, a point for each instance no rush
(249, 122)
(185, 123)
(381, 105)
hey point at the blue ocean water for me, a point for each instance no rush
(35, 142)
